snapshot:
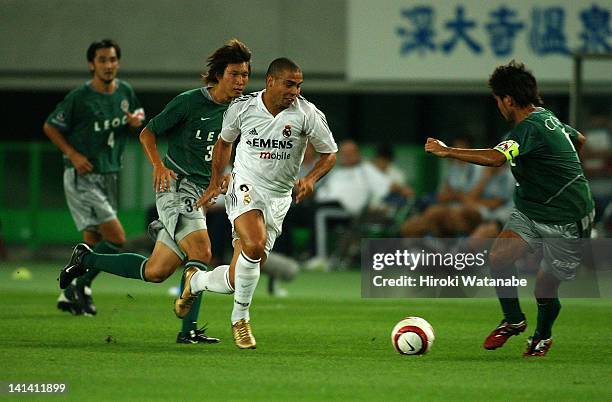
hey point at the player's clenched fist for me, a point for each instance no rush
(436, 147)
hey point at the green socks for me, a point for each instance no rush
(548, 310)
(190, 321)
(512, 310)
(128, 265)
(103, 247)
(508, 295)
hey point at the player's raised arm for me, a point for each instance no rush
(484, 157)
(304, 187)
(222, 152)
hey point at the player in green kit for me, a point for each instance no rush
(90, 126)
(554, 207)
(191, 122)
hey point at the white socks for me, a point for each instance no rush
(216, 281)
(245, 282)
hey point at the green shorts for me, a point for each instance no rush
(561, 244)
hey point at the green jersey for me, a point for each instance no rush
(95, 123)
(551, 186)
(192, 122)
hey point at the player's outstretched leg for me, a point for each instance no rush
(75, 266)
(83, 283)
(216, 281)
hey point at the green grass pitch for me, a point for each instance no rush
(323, 342)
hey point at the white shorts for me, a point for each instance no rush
(242, 197)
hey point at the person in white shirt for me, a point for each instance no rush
(384, 161)
(353, 184)
(356, 184)
(274, 126)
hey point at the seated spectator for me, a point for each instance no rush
(495, 204)
(460, 177)
(490, 199)
(350, 190)
(458, 180)
(354, 184)
(384, 162)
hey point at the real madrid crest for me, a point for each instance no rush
(287, 131)
(246, 198)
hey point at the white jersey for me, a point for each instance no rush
(271, 148)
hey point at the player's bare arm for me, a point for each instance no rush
(78, 160)
(161, 174)
(222, 152)
(304, 187)
(484, 157)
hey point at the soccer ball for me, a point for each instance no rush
(412, 336)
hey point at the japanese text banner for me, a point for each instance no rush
(465, 40)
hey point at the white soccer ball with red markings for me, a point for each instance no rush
(412, 336)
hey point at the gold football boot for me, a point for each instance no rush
(183, 304)
(243, 336)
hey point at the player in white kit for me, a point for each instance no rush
(274, 125)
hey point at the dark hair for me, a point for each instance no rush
(514, 80)
(102, 44)
(281, 64)
(233, 52)
(385, 151)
